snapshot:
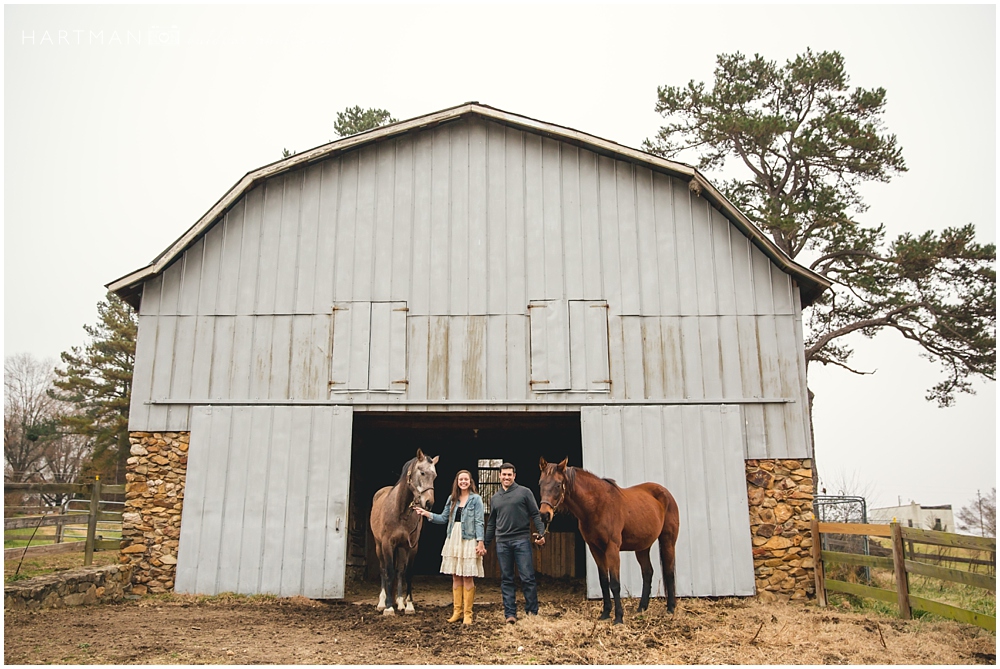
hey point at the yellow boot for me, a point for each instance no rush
(456, 594)
(470, 595)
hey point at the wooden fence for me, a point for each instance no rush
(90, 518)
(902, 565)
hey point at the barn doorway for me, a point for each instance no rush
(383, 442)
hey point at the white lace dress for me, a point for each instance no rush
(458, 556)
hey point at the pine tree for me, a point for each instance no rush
(97, 379)
(353, 120)
(805, 141)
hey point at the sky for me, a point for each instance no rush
(125, 124)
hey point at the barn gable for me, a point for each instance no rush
(473, 261)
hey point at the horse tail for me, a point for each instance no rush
(667, 542)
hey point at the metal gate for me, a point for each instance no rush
(265, 504)
(696, 451)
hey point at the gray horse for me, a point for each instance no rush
(397, 529)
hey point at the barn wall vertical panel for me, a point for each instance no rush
(246, 295)
(477, 203)
(458, 222)
(227, 288)
(234, 483)
(307, 260)
(288, 244)
(420, 275)
(270, 246)
(648, 265)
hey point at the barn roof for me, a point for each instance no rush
(129, 287)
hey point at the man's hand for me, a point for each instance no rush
(540, 541)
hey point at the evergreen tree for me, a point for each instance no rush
(353, 120)
(805, 141)
(97, 379)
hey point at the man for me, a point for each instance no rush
(512, 510)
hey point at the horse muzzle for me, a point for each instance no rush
(546, 513)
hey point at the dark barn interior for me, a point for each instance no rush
(383, 442)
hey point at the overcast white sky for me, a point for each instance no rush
(123, 125)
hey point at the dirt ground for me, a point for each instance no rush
(177, 629)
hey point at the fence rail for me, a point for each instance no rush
(90, 518)
(902, 565)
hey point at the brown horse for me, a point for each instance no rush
(614, 519)
(397, 529)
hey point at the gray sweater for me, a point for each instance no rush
(511, 513)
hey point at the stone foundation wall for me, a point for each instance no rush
(780, 493)
(154, 496)
(86, 585)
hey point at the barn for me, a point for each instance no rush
(487, 287)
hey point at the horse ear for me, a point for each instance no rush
(542, 464)
(562, 465)
(434, 460)
(420, 455)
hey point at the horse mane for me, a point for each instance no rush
(405, 472)
(571, 476)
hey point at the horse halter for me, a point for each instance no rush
(554, 507)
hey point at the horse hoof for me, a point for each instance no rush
(618, 622)
(389, 612)
(409, 610)
(605, 616)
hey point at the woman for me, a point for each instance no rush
(462, 555)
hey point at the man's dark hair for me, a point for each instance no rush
(509, 466)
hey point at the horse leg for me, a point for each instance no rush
(381, 572)
(646, 566)
(602, 576)
(389, 578)
(667, 564)
(408, 576)
(613, 559)
(401, 567)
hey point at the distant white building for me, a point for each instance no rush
(938, 517)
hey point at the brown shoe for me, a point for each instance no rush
(511, 620)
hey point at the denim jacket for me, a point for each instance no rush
(472, 517)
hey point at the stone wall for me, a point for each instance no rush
(154, 495)
(780, 493)
(86, 585)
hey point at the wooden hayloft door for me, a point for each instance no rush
(265, 503)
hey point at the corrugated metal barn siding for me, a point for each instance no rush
(265, 508)
(471, 218)
(466, 224)
(696, 452)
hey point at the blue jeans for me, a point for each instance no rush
(517, 552)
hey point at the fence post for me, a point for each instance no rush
(817, 552)
(95, 506)
(899, 567)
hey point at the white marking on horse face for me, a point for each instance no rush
(422, 482)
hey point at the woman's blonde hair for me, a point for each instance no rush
(454, 486)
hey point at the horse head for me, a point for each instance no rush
(420, 479)
(551, 487)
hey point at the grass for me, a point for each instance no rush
(959, 595)
(48, 564)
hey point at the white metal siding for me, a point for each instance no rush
(467, 223)
(696, 452)
(265, 503)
